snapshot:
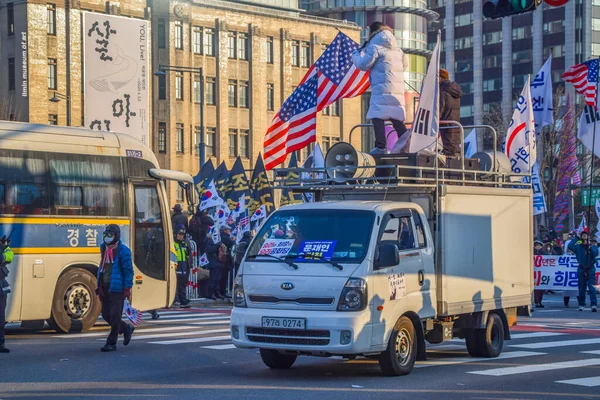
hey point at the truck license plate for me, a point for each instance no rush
(285, 323)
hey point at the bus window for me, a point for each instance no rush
(25, 180)
(68, 200)
(149, 255)
(2, 201)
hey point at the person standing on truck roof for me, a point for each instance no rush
(178, 218)
(450, 94)
(381, 55)
(115, 280)
(6, 257)
(538, 295)
(586, 273)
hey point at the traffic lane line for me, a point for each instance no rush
(593, 381)
(524, 369)
(555, 344)
(195, 340)
(465, 360)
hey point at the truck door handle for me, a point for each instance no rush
(421, 277)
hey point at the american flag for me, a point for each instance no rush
(585, 79)
(332, 77)
(244, 221)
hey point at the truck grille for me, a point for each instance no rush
(326, 301)
(288, 336)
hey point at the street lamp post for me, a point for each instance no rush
(162, 71)
(57, 98)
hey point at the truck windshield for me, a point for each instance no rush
(315, 235)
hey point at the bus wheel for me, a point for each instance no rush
(75, 307)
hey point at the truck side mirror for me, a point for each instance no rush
(387, 256)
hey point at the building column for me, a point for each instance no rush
(507, 83)
(478, 62)
(570, 41)
(587, 30)
(449, 27)
(538, 39)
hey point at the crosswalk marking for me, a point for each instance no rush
(195, 340)
(523, 369)
(190, 320)
(463, 360)
(447, 347)
(219, 347)
(596, 352)
(531, 335)
(161, 335)
(195, 315)
(563, 343)
(587, 382)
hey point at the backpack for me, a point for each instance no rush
(222, 254)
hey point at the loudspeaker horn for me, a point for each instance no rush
(503, 166)
(348, 163)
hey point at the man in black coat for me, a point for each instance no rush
(178, 218)
(450, 94)
(199, 227)
(229, 242)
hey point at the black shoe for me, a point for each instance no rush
(109, 347)
(155, 315)
(541, 305)
(222, 297)
(127, 335)
(4, 349)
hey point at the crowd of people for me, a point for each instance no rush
(585, 250)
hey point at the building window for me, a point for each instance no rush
(466, 111)
(179, 193)
(524, 32)
(270, 97)
(161, 34)
(490, 85)
(179, 138)
(463, 65)
(463, 20)
(10, 18)
(211, 134)
(523, 56)
(211, 88)
(295, 53)
(326, 144)
(244, 97)
(179, 85)
(269, 49)
(196, 90)
(519, 81)
(245, 143)
(196, 144)
(11, 74)
(232, 94)
(464, 43)
(494, 61)
(305, 55)
(162, 137)
(557, 51)
(197, 40)
(555, 27)
(489, 38)
(209, 42)
(242, 46)
(233, 152)
(335, 108)
(52, 119)
(52, 73)
(51, 19)
(178, 35)
(231, 45)
(162, 87)
(596, 24)
(325, 110)
(467, 87)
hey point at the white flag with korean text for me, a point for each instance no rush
(471, 144)
(589, 118)
(520, 137)
(541, 97)
(539, 200)
(426, 124)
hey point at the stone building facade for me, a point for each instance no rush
(252, 57)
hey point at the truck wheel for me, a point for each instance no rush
(275, 360)
(75, 307)
(472, 343)
(401, 353)
(491, 339)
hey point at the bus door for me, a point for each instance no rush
(148, 247)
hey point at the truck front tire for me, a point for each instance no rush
(488, 342)
(401, 353)
(275, 360)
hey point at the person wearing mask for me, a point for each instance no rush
(182, 250)
(450, 94)
(586, 272)
(6, 257)
(199, 226)
(227, 264)
(538, 295)
(240, 250)
(178, 218)
(115, 280)
(386, 62)
(211, 249)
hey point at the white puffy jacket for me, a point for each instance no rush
(387, 64)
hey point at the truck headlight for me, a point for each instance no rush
(239, 297)
(354, 295)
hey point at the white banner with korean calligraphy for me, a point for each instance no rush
(115, 68)
(558, 272)
(539, 201)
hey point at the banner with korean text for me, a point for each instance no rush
(115, 69)
(558, 272)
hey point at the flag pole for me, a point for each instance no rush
(595, 120)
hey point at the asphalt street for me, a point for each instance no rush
(187, 354)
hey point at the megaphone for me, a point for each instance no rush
(503, 166)
(343, 162)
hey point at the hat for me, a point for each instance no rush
(375, 26)
(585, 230)
(177, 208)
(180, 229)
(444, 74)
(112, 229)
(225, 228)
(538, 242)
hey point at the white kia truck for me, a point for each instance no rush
(381, 269)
